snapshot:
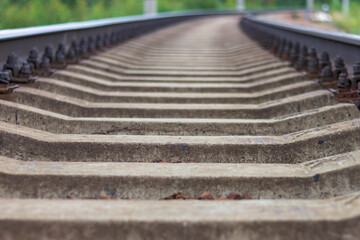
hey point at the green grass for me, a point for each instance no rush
(24, 13)
(350, 23)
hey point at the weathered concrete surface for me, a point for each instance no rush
(34, 145)
(23, 115)
(69, 76)
(239, 64)
(265, 219)
(237, 61)
(81, 108)
(94, 95)
(105, 85)
(321, 178)
(104, 59)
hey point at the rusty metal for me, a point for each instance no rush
(302, 63)
(18, 73)
(49, 54)
(5, 86)
(33, 60)
(327, 78)
(313, 65)
(327, 69)
(339, 67)
(286, 55)
(281, 48)
(355, 77)
(309, 63)
(325, 60)
(294, 58)
(344, 90)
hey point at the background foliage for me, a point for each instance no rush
(23, 13)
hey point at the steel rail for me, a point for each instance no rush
(103, 31)
(114, 30)
(333, 59)
(334, 43)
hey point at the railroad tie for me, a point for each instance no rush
(192, 131)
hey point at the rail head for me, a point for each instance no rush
(88, 33)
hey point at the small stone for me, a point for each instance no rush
(316, 177)
(174, 196)
(246, 196)
(206, 196)
(103, 196)
(222, 199)
(234, 196)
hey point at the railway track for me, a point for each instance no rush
(197, 111)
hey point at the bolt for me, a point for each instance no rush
(324, 60)
(313, 67)
(33, 59)
(71, 55)
(304, 51)
(12, 59)
(287, 51)
(313, 53)
(295, 54)
(60, 54)
(45, 63)
(356, 68)
(355, 77)
(83, 48)
(61, 49)
(339, 62)
(343, 82)
(339, 67)
(113, 38)
(91, 45)
(49, 53)
(60, 58)
(25, 70)
(12, 65)
(281, 47)
(106, 40)
(327, 75)
(4, 77)
(302, 63)
(357, 103)
(75, 47)
(303, 60)
(99, 42)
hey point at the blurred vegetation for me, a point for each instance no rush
(23, 13)
(350, 23)
(275, 4)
